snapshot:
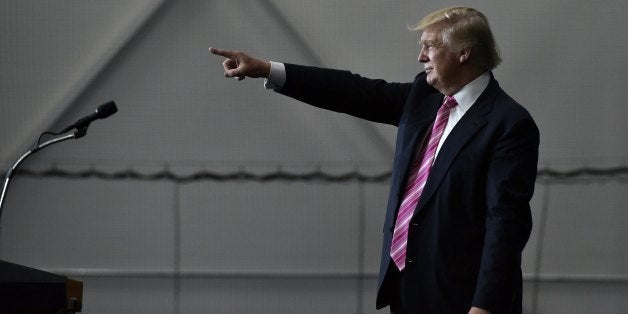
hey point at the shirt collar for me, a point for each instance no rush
(467, 96)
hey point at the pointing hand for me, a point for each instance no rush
(240, 65)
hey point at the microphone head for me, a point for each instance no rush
(105, 110)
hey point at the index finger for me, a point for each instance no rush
(220, 52)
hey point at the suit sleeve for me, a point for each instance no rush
(343, 91)
(511, 179)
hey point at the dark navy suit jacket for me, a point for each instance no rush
(473, 219)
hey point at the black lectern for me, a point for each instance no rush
(25, 290)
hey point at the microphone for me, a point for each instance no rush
(103, 111)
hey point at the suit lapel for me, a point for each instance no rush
(420, 120)
(473, 120)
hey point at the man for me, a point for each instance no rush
(458, 213)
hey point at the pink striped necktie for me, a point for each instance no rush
(420, 170)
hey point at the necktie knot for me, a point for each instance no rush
(449, 102)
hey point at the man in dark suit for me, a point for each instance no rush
(458, 213)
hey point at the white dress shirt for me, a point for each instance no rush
(465, 98)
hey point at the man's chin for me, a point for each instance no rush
(431, 80)
(435, 84)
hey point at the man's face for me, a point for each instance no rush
(441, 64)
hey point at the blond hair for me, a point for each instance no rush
(461, 28)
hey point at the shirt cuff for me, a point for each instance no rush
(277, 76)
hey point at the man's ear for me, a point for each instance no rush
(465, 54)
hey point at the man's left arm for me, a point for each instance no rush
(510, 185)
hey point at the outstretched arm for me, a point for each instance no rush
(240, 65)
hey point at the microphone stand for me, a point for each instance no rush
(80, 132)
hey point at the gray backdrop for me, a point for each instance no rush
(91, 210)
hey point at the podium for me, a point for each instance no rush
(25, 290)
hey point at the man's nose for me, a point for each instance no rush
(422, 57)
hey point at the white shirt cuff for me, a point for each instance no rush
(277, 76)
